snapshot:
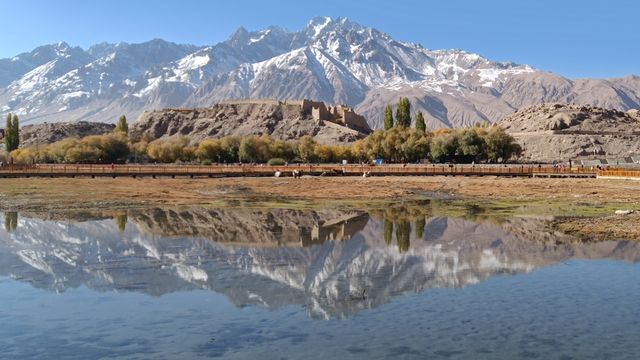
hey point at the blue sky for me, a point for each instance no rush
(588, 38)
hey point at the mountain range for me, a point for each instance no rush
(254, 257)
(333, 60)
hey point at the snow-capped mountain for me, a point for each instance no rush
(255, 260)
(333, 60)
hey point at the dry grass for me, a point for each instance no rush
(85, 192)
(52, 196)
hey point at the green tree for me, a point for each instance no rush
(283, 149)
(403, 113)
(501, 146)
(306, 148)
(392, 143)
(15, 131)
(388, 117)
(114, 148)
(230, 147)
(122, 125)
(255, 149)
(209, 150)
(416, 145)
(7, 135)
(420, 125)
(372, 145)
(12, 133)
(471, 146)
(443, 148)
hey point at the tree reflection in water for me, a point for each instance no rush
(10, 221)
(121, 221)
(278, 257)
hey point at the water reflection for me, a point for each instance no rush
(333, 262)
(10, 221)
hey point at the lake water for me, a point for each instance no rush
(243, 283)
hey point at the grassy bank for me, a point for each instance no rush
(572, 201)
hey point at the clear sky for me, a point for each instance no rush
(575, 38)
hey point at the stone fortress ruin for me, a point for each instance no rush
(319, 111)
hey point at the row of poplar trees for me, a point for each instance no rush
(403, 116)
(12, 133)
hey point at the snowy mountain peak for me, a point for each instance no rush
(239, 37)
(333, 60)
(317, 24)
(62, 46)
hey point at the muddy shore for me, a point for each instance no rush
(603, 196)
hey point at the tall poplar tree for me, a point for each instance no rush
(122, 125)
(420, 125)
(15, 132)
(7, 134)
(403, 112)
(12, 133)
(388, 117)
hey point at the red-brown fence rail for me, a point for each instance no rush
(620, 173)
(94, 170)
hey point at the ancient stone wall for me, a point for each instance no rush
(355, 121)
(318, 110)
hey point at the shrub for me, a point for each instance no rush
(171, 150)
(108, 148)
(276, 161)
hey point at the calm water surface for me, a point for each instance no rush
(315, 284)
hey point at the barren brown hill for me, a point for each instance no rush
(281, 120)
(562, 132)
(51, 132)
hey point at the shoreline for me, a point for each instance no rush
(81, 192)
(584, 207)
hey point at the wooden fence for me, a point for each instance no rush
(99, 170)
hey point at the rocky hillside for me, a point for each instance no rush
(562, 132)
(51, 132)
(333, 60)
(284, 121)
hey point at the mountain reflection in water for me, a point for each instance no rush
(332, 262)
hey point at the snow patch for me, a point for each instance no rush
(193, 61)
(491, 75)
(72, 95)
(152, 84)
(191, 273)
(262, 35)
(317, 28)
